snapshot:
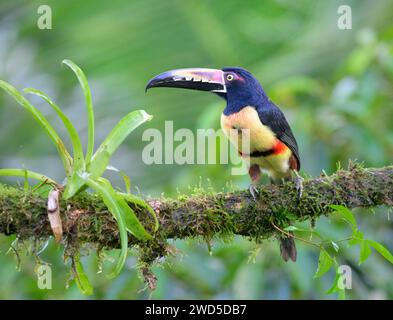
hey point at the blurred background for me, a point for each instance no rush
(335, 87)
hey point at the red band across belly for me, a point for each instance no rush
(278, 148)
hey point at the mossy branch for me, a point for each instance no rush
(87, 220)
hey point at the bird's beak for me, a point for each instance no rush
(193, 78)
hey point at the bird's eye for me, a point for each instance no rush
(230, 77)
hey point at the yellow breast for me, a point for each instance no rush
(261, 137)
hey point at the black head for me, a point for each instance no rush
(242, 89)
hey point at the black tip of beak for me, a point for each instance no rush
(149, 85)
(155, 82)
(162, 80)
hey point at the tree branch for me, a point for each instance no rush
(86, 219)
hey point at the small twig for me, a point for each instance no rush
(43, 247)
(338, 241)
(39, 185)
(288, 234)
(18, 259)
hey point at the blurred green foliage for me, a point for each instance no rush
(335, 86)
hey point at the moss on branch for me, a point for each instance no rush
(86, 219)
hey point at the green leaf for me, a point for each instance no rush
(381, 249)
(365, 251)
(335, 246)
(81, 279)
(131, 221)
(44, 123)
(115, 138)
(42, 189)
(110, 200)
(23, 173)
(292, 228)
(123, 214)
(324, 263)
(346, 214)
(313, 232)
(129, 197)
(127, 182)
(99, 163)
(78, 161)
(141, 203)
(89, 104)
(74, 183)
(335, 286)
(341, 294)
(26, 181)
(357, 238)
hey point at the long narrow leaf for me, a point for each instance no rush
(96, 168)
(324, 263)
(336, 288)
(78, 161)
(99, 163)
(74, 182)
(116, 137)
(381, 249)
(38, 116)
(345, 214)
(89, 104)
(133, 225)
(365, 251)
(127, 182)
(81, 279)
(73, 185)
(141, 203)
(110, 201)
(26, 182)
(23, 173)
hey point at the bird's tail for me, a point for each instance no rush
(288, 248)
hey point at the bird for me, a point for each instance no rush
(273, 148)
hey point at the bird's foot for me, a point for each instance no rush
(299, 185)
(253, 191)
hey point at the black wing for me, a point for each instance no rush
(275, 120)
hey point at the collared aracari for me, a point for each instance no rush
(273, 147)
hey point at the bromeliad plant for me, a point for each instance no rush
(85, 170)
